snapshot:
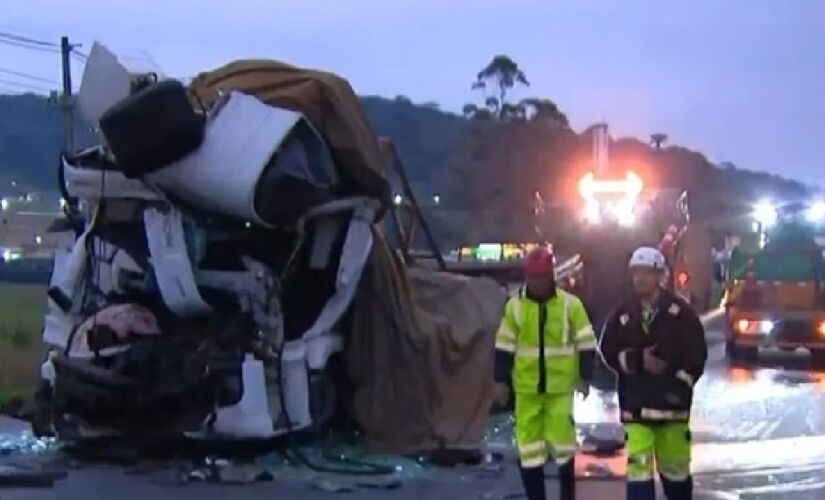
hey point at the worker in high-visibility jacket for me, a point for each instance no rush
(656, 344)
(545, 349)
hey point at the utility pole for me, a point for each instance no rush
(67, 102)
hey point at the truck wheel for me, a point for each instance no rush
(818, 358)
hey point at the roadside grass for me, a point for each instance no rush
(22, 307)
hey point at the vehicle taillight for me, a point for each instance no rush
(821, 328)
(682, 278)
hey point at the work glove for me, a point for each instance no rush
(651, 363)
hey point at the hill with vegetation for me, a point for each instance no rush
(483, 166)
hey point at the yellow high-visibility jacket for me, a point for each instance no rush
(546, 341)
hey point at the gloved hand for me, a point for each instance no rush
(651, 363)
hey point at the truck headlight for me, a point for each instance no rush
(765, 213)
(816, 212)
(754, 327)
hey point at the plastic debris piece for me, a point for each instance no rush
(380, 483)
(330, 486)
(25, 442)
(196, 475)
(494, 457)
(488, 470)
(243, 474)
(603, 439)
(598, 470)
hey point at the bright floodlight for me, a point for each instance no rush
(398, 199)
(626, 219)
(625, 214)
(816, 212)
(635, 185)
(592, 212)
(766, 326)
(587, 186)
(765, 213)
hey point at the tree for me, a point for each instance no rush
(544, 110)
(658, 139)
(500, 76)
(474, 112)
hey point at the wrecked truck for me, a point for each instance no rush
(223, 273)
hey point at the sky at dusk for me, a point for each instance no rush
(739, 80)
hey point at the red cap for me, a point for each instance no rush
(539, 262)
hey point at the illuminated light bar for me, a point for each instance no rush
(631, 186)
(592, 212)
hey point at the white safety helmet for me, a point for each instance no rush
(647, 257)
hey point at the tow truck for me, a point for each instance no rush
(773, 284)
(616, 212)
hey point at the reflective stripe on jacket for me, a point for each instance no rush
(546, 363)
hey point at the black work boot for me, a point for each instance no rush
(641, 490)
(567, 480)
(533, 480)
(677, 490)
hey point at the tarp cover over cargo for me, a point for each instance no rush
(419, 352)
(325, 99)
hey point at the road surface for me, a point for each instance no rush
(759, 433)
(760, 430)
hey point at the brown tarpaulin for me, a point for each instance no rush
(326, 100)
(421, 355)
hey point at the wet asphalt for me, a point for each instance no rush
(759, 433)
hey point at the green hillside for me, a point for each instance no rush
(483, 170)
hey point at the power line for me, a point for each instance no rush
(26, 75)
(25, 85)
(30, 47)
(23, 39)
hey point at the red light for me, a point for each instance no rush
(682, 278)
(743, 325)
